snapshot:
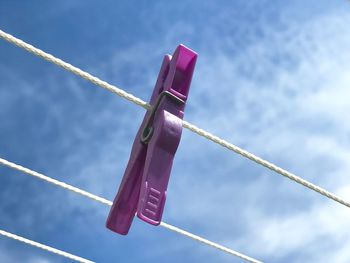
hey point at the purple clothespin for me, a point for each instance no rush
(145, 181)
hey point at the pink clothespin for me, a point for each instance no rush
(144, 185)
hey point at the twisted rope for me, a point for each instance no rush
(44, 247)
(109, 203)
(38, 52)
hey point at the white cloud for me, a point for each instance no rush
(23, 254)
(284, 96)
(317, 233)
(292, 110)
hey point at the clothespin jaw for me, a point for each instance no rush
(160, 154)
(144, 185)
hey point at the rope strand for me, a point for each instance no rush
(77, 71)
(44, 247)
(264, 163)
(11, 39)
(109, 203)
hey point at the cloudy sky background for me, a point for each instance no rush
(272, 77)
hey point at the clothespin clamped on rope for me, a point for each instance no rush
(145, 181)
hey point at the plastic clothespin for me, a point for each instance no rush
(145, 181)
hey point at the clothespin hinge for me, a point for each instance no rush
(147, 132)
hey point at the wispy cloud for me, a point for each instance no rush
(288, 103)
(9, 255)
(278, 90)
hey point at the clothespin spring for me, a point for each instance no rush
(147, 132)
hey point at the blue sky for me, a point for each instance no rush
(272, 77)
